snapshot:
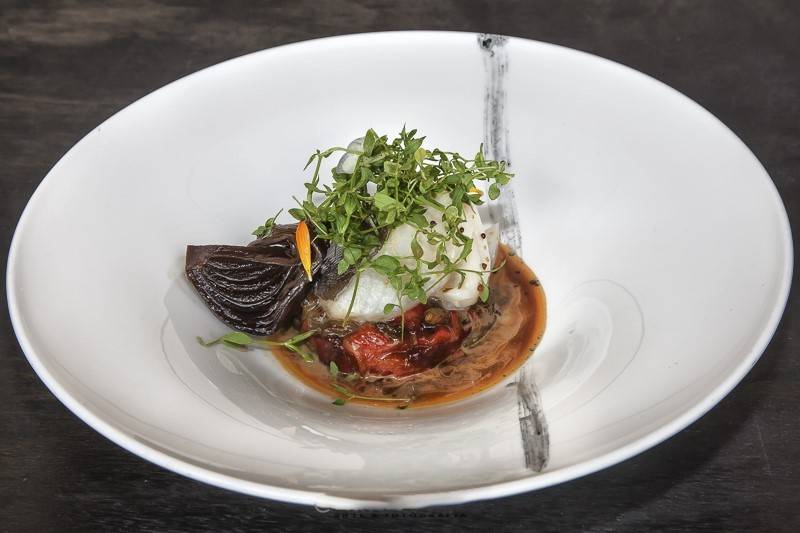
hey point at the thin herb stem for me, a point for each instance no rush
(238, 339)
(394, 183)
(353, 297)
(352, 396)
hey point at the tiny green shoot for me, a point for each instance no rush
(348, 395)
(265, 230)
(237, 339)
(394, 183)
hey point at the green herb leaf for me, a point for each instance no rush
(485, 293)
(370, 139)
(338, 388)
(339, 401)
(351, 396)
(238, 338)
(416, 248)
(350, 204)
(395, 182)
(334, 369)
(265, 230)
(419, 220)
(452, 216)
(465, 250)
(391, 168)
(384, 202)
(307, 356)
(386, 264)
(301, 337)
(419, 155)
(351, 255)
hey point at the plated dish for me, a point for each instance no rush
(661, 242)
(388, 289)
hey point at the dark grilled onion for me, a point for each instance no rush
(330, 283)
(256, 288)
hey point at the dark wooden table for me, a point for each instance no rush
(67, 66)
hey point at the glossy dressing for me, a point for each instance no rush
(511, 330)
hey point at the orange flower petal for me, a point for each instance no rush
(303, 241)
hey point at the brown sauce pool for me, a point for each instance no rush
(512, 327)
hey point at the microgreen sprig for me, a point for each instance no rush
(393, 183)
(351, 396)
(265, 230)
(333, 369)
(237, 339)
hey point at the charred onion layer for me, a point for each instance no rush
(256, 288)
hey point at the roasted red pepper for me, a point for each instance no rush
(393, 348)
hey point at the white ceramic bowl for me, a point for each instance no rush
(661, 242)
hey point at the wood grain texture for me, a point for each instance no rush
(67, 66)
